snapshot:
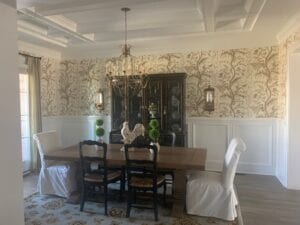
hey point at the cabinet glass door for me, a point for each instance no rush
(173, 112)
(118, 106)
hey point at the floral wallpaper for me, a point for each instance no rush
(68, 87)
(247, 82)
(50, 98)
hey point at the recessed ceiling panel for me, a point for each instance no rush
(75, 23)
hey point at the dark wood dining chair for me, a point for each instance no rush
(141, 167)
(96, 180)
(169, 140)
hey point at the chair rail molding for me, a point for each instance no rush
(260, 136)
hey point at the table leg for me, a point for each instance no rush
(179, 193)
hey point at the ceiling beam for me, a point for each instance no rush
(208, 8)
(232, 12)
(37, 17)
(42, 37)
(63, 21)
(254, 11)
(149, 33)
(230, 24)
(141, 22)
(145, 14)
(89, 5)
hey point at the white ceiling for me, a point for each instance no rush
(83, 28)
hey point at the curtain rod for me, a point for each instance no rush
(26, 55)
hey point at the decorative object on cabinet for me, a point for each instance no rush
(209, 94)
(166, 94)
(154, 133)
(99, 131)
(152, 110)
(99, 104)
(128, 135)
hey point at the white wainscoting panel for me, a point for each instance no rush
(260, 136)
(213, 136)
(73, 129)
(266, 148)
(260, 139)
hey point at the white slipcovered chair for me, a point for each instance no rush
(213, 194)
(56, 177)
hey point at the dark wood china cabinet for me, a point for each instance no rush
(166, 92)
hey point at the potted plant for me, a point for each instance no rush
(153, 132)
(99, 131)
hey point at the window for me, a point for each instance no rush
(25, 127)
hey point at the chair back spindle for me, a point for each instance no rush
(141, 163)
(93, 152)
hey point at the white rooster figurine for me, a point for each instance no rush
(128, 135)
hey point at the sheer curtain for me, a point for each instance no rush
(34, 106)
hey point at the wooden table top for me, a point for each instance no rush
(180, 158)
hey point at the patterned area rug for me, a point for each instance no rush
(42, 210)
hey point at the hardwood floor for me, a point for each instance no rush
(264, 201)
(29, 184)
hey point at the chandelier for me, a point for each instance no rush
(125, 64)
(122, 72)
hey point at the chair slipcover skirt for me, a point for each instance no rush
(58, 179)
(206, 196)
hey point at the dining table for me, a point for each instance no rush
(178, 159)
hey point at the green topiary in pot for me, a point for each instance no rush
(99, 122)
(154, 124)
(154, 131)
(99, 131)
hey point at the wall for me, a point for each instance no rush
(73, 129)
(293, 167)
(214, 134)
(11, 204)
(246, 82)
(68, 87)
(249, 100)
(287, 153)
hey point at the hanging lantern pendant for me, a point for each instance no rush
(209, 102)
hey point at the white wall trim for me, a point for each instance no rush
(291, 27)
(260, 157)
(292, 131)
(37, 50)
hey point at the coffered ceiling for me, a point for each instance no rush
(96, 27)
